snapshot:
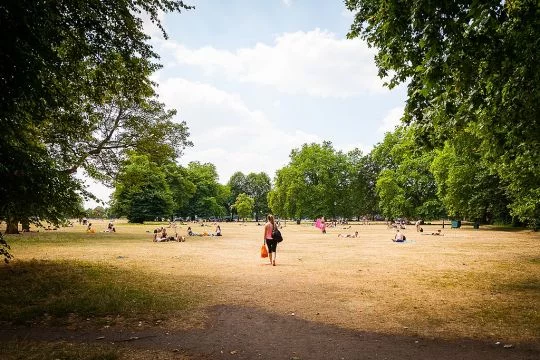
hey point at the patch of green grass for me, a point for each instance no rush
(61, 351)
(509, 315)
(509, 300)
(78, 238)
(525, 285)
(32, 289)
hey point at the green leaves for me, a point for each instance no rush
(209, 197)
(75, 91)
(405, 186)
(319, 181)
(244, 205)
(4, 250)
(142, 192)
(469, 66)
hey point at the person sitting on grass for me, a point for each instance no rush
(110, 228)
(166, 237)
(399, 237)
(218, 231)
(160, 236)
(179, 238)
(417, 224)
(89, 229)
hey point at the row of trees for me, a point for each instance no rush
(75, 92)
(147, 188)
(397, 179)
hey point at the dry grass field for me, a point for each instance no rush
(467, 284)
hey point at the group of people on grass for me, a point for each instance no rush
(400, 237)
(160, 235)
(90, 229)
(190, 232)
(269, 243)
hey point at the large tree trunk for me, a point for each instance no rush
(12, 226)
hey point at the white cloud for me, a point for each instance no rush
(391, 120)
(226, 132)
(287, 3)
(315, 63)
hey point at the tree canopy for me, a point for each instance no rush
(244, 206)
(210, 197)
(469, 67)
(319, 181)
(255, 185)
(75, 91)
(405, 185)
(141, 191)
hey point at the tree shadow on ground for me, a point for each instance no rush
(250, 333)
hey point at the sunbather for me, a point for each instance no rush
(399, 237)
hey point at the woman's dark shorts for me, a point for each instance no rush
(272, 245)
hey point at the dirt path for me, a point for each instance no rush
(248, 333)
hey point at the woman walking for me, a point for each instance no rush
(268, 239)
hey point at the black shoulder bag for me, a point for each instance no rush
(276, 234)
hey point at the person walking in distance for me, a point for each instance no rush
(268, 239)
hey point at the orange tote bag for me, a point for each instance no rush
(264, 252)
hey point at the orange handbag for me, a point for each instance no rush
(264, 252)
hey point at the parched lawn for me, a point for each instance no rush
(480, 284)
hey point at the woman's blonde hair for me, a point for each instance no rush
(270, 218)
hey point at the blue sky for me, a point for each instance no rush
(255, 79)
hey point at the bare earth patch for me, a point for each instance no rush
(451, 296)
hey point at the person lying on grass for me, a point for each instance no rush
(349, 235)
(191, 233)
(438, 233)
